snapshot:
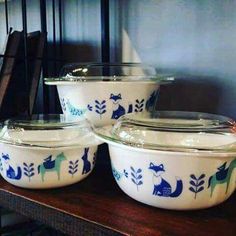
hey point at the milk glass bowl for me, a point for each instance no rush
(46, 151)
(173, 160)
(104, 92)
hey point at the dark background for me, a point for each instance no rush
(195, 39)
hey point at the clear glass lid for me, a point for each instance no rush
(124, 72)
(173, 131)
(47, 131)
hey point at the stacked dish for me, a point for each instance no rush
(46, 151)
(104, 92)
(173, 160)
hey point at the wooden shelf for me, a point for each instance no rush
(96, 206)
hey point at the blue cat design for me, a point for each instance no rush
(87, 164)
(161, 187)
(10, 172)
(118, 110)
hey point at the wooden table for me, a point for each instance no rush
(96, 206)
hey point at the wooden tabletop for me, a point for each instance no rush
(96, 206)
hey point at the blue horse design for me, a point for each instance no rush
(223, 175)
(87, 164)
(161, 187)
(51, 166)
(10, 172)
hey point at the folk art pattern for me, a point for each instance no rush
(162, 188)
(74, 111)
(196, 184)
(11, 173)
(28, 170)
(100, 107)
(73, 167)
(63, 104)
(117, 174)
(222, 176)
(49, 164)
(139, 106)
(136, 177)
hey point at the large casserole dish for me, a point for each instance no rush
(103, 92)
(173, 160)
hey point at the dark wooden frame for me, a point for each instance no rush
(35, 61)
(9, 60)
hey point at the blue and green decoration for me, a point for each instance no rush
(222, 176)
(117, 174)
(74, 110)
